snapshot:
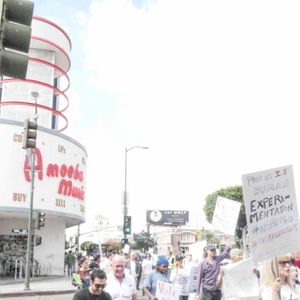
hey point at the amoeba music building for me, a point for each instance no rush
(60, 161)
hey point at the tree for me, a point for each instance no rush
(234, 193)
(111, 246)
(143, 241)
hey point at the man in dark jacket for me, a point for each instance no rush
(135, 268)
(95, 290)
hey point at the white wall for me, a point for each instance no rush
(6, 225)
(50, 253)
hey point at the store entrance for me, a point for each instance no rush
(13, 250)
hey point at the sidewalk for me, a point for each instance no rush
(51, 285)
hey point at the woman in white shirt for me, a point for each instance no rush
(274, 283)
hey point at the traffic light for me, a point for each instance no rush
(29, 134)
(124, 242)
(15, 35)
(41, 219)
(37, 240)
(127, 225)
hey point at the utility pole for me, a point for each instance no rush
(125, 197)
(29, 228)
(29, 143)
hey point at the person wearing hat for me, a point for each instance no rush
(161, 273)
(208, 273)
(181, 277)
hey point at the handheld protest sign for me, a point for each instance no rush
(225, 216)
(271, 211)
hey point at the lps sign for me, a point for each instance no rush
(167, 217)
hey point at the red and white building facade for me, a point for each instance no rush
(60, 161)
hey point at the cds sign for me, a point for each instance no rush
(167, 217)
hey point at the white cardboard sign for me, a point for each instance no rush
(240, 280)
(225, 215)
(166, 291)
(272, 214)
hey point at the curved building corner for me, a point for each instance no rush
(60, 161)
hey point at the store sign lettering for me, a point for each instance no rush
(67, 175)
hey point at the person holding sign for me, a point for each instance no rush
(208, 273)
(238, 279)
(274, 283)
(160, 274)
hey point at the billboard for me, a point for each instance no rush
(167, 217)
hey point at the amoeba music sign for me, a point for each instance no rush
(167, 217)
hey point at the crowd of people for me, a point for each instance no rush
(120, 276)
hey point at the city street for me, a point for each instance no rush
(41, 288)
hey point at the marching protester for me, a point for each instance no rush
(95, 264)
(120, 286)
(160, 274)
(295, 259)
(188, 262)
(171, 259)
(236, 255)
(209, 270)
(180, 276)
(293, 279)
(96, 289)
(70, 262)
(134, 268)
(106, 261)
(147, 265)
(81, 278)
(275, 285)
(229, 279)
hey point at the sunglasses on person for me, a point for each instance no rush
(284, 262)
(99, 286)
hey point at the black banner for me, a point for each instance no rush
(167, 217)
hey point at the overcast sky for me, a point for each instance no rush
(211, 87)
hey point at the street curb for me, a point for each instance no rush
(35, 279)
(35, 293)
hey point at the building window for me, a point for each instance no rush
(187, 237)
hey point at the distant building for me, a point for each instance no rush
(179, 239)
(98, 230)
(174, 239)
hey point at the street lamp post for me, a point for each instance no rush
(125, 187)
